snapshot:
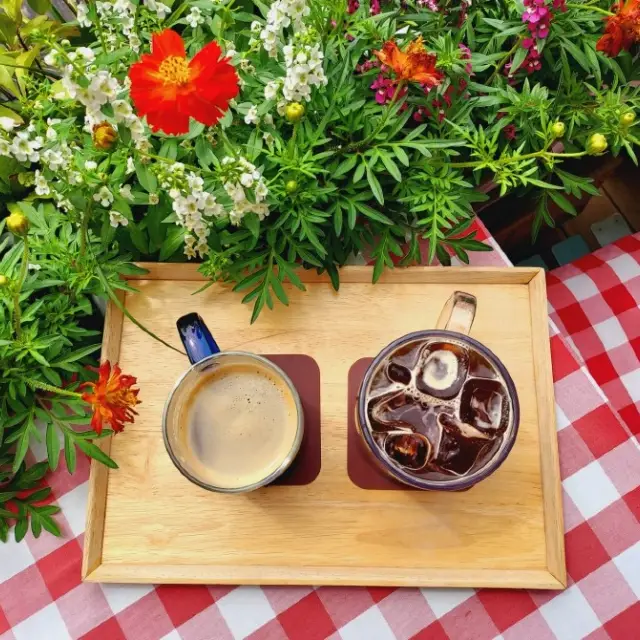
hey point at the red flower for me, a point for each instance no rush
(112, 397)
(413, 64)
(168, 88)
(622, 29)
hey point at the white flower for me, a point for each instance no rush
(194, 181)
(8, 124)
(252, 116)
(51, 134)
(103, 88)
(271, 90)
(261, 190)
(268, 138)
(154, 198)
(75, 177)
(268, 119)
(54, 159)
(82, 14)
(104, 197)
(86, 53)
(234, 191)
(125, 192)
(162, 10)
(122, 110)
(130, 166)
(90, 165)
(5, 147)
(135, 42)
(194, 18)
(51, 59)
(25, 149)
(33, 267)
(42, 186)
(116, 219)
(246, 179)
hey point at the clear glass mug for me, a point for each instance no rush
(204, 354)
(452, 328)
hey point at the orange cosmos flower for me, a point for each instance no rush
(169, 89)
(413, 64)
(112, 397)
(622, 29)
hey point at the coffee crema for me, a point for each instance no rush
(237, 426)
(438, 409)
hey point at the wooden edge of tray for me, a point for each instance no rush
(549, 459)
(94, 570)
(362, 274)
(329, 576)
(99, 474)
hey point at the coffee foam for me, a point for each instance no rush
(237, 426)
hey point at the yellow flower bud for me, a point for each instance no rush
(4, 281)
(294, 111)
(18, 223)
(291, 186)
(596, 144)
(558, 129)
(628, 118)
(104, 136)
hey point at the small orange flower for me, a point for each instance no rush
(413, 64)
(622, 29)
(104, 136)
(112, 397)
(169, 89)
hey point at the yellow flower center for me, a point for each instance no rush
(175, 70)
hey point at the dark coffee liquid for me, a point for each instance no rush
(438, 409)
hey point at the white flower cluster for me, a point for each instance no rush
(282, 14)
(162, 10)
(242, 178)
(25, 146)
(304, 70)
(194, 18)
(103, 89)
(194, 207)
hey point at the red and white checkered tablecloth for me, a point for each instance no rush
(42, 598)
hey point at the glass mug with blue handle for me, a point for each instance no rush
(234, 421)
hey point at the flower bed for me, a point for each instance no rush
(259, 138)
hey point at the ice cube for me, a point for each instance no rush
(462, 446)
(485, 405)
(444, 368)
(480, 367)
(409, 450)
(397, 373)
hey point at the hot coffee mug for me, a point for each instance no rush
(234, 420)
(437, 409)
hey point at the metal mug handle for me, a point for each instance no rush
(458, 313)
(196, 337)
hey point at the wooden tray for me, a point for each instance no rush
(146, 523)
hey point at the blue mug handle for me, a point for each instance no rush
(196, 338)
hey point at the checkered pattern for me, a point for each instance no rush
(595, 303)
(41, 596)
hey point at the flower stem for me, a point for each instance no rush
(84, 230)
(44, 386)
(226, 142)
(18, 287)
(191, 167)
(100, 30)
(510, 160)
(504, 60)
(589, 7)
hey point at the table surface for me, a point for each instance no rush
(41, 595)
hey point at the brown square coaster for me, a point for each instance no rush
(305, 375)
(362, 470)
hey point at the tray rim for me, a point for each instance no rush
(554, 577)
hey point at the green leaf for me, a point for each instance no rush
(375, 185)
(53, 446)
(345, 166)
(22, 526)
(278, 289)
(391, 166)
(69, 453)
(401, 154)
(146, 178)
(139, 238)
(173, 241)
(518, 59)
(372, 213)
(78, 354)
(563, 203)
(359, 172)
(94, 451)
(252, 222)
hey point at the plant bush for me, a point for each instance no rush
(259, 138)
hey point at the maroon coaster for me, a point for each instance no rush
(305, 375)
(362, 469)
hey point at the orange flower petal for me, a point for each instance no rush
(168, 43)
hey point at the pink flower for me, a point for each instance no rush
(375, 7)
(510, 132)
(353, 6)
